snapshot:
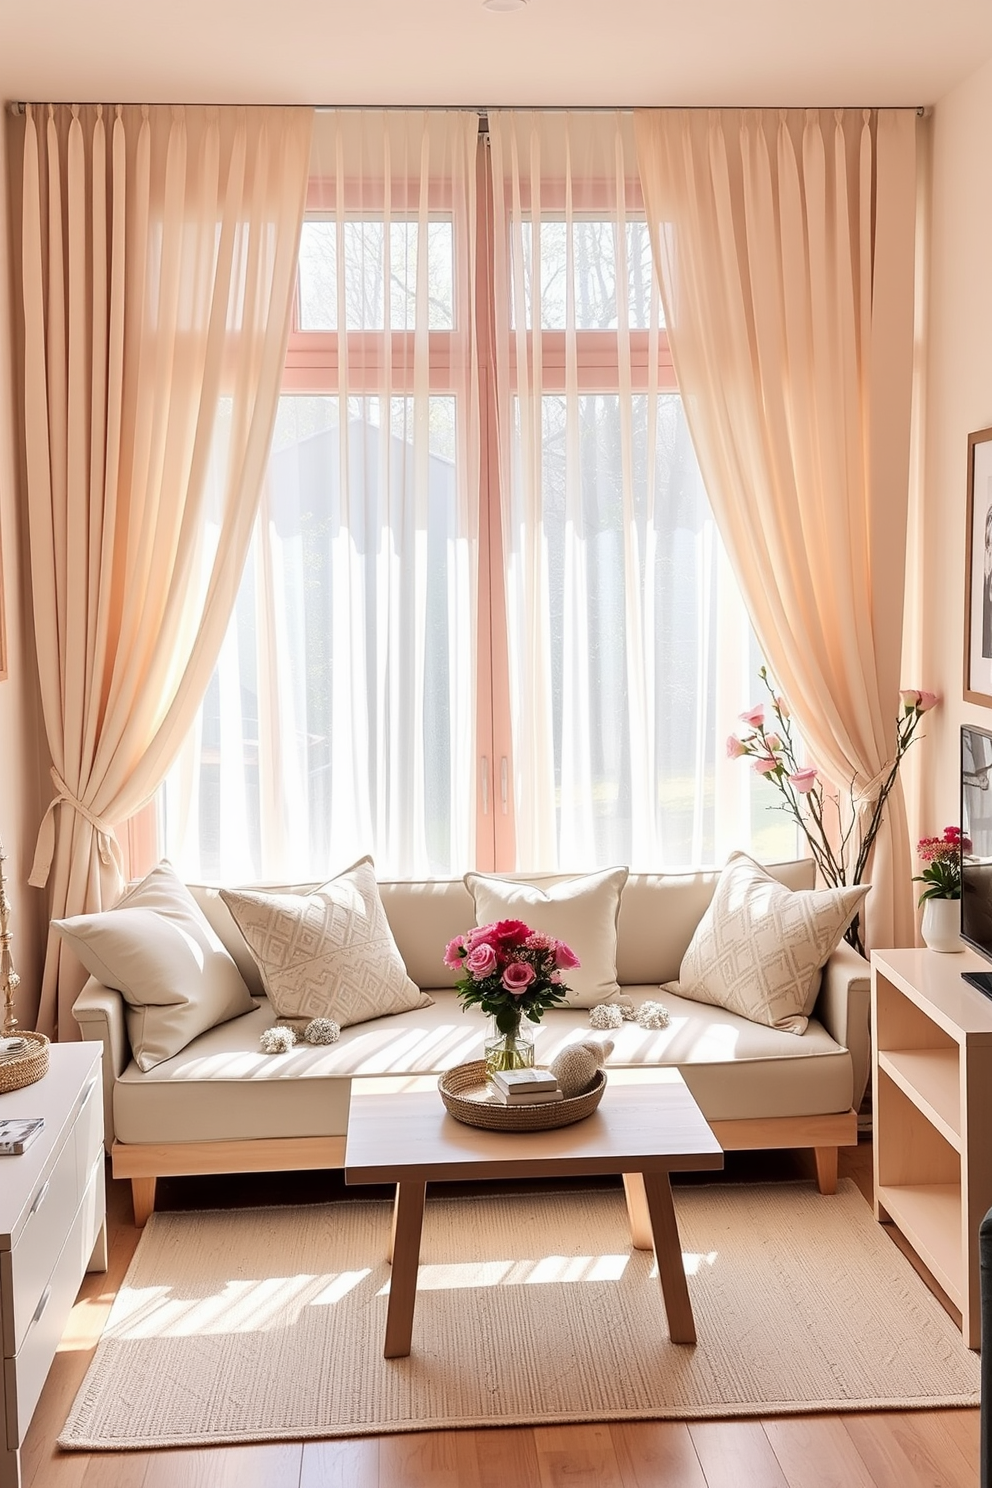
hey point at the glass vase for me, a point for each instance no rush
(509, 1048)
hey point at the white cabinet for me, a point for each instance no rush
(52, 1230)
(932, 1095)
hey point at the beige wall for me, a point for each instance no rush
(22, 768)
(959, 400)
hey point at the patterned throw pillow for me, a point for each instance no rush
(580, 911)
(329, 953)
(759, 947)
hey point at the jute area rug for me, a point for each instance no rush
(255, 1325)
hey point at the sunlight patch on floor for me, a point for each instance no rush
(459, 1275)
(243, 1306)
(693, 1262)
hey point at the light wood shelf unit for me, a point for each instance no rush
(932, 1097)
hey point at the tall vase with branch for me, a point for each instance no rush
(9, 980)
(840, 831)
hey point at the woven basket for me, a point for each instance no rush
(25, 1068)
(469, 1099)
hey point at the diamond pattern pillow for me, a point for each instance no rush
(329, 953)
(759, 947)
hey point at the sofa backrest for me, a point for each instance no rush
(658, 914)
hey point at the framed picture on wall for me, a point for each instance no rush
(978, 572)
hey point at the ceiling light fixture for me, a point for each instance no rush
(503, 4)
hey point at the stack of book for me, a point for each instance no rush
(17, 1134)
(526, 1087)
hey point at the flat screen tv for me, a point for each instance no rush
(976, 863)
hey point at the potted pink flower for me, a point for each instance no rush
(942, 877)
(512, 973)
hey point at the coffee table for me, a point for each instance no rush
(646, 1127)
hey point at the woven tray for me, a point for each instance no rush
(25, 1068)
(469, 1099)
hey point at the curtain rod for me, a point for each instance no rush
(17, 107)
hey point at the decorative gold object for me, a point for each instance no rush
(23, 1065)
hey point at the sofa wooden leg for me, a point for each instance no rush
(142, 1199)
(826, 1169)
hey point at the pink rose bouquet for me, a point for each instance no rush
(510, 971)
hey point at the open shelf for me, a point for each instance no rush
(929, 1215)
(931, 1079)
(932, 1093)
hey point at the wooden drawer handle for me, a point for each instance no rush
(39, 1197)
(41, 1305)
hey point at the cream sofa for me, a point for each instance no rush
(221, 1105)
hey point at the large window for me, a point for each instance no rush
(486, 620)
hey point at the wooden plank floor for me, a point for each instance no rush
(890, 1449)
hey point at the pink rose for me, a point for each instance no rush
(803, 780)
(928, 700)
(454, 953)
(755, 717)
(766, 765)
(565, 957)
(910, 699)
(735, 748)
(517, 977)
(507, 933)
(773, 742)
(481, 961)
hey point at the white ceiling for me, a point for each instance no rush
(553, 52)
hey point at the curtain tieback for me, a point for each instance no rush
(110, 851)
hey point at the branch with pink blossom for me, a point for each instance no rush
(840, 836)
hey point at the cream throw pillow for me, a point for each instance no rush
(329, 953)
(580, 911)
(157, 949)
(759, 947)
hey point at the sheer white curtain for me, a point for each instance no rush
(630, 654)
(341, 718)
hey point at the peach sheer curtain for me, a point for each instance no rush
(785, 244)
(159, 261)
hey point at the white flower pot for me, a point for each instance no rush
(941, 928)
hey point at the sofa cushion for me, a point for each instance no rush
(659, 913)
(582, 912)
(329, 953)
(759, 947)
(157, 949)
(223, 1087)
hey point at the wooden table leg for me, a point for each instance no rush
(668, 1253)
(408, 1220)
(637, 1212)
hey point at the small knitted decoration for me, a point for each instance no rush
(277, 1040)
(606, 1015)
(653, 1015)
(322, 1031)
(575, 1067)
